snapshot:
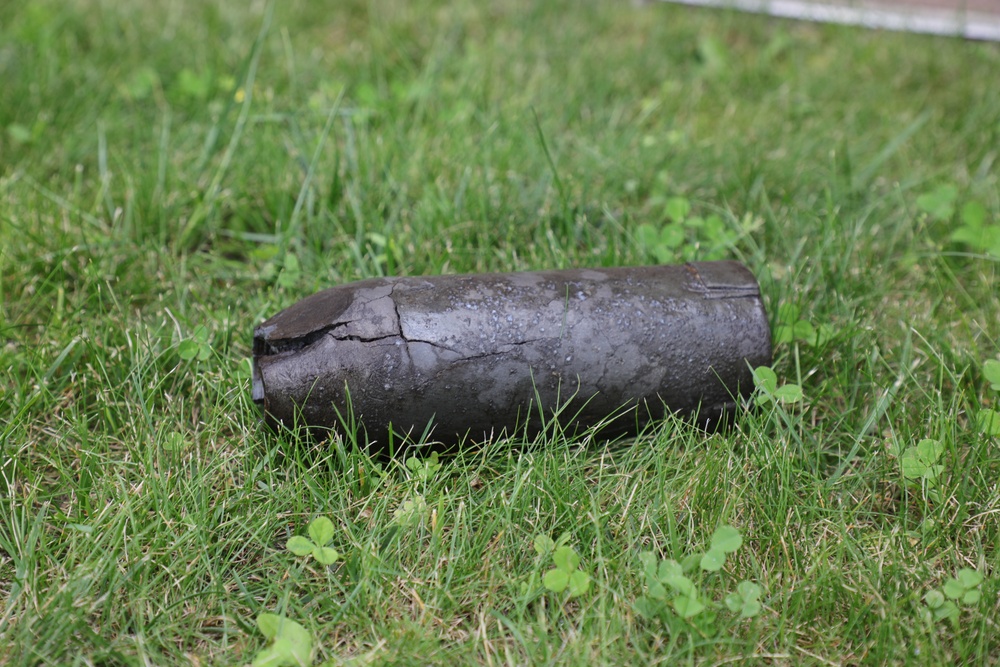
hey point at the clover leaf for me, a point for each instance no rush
(964, 587)
(991, 371)
(195, 347)
(566, 573)
(919, 461)
(766, 381)
(745, 599)
(989, 422)
(291, 643)
(726, 539)
(321, 531)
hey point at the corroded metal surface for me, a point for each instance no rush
(481, 355)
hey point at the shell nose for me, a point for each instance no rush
(257, 391)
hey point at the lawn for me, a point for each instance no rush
(173, 173)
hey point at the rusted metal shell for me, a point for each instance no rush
(478, 356)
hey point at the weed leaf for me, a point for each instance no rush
(579, 583)
(789, 393)
(989, 422)
(991, 371)
(326, 555)
(646, 236)
(939, 203)
(745, 599)
(648, 560)
(688, 606)
(671, 238)
(783, 333)
(765, 379)
(973, 214)
(411, 511)
(788, 312)
(321, 530)
(727, 539)
(804, 331)
(291, 271)
(929, 450)
(963, 587)
(750, 609)
(669, 569)
(556, 580)
(195, 347)
(276, 655)
(299, 545)
(713, 560)
(646, 608)
(268, 624)
(681, 584)
(188, 349)
(953, 589)
(292, 645)
(913, 467)
(969, 578)
(690, 563)
(749, 590)
(947, 610)
(919, 460)
(544, 545)
(677, 208)
(566, 559)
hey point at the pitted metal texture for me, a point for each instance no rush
(478, 356)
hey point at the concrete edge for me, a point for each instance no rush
(954, 23)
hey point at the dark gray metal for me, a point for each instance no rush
(478, 355)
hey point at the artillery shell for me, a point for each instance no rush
(478, 356)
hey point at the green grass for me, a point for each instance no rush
(160, 163)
